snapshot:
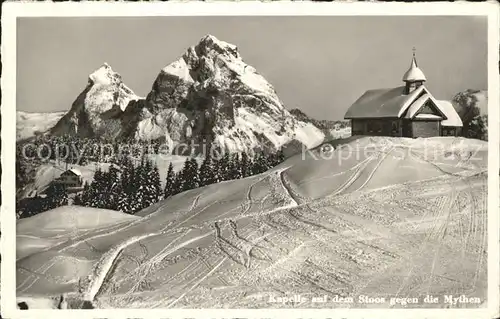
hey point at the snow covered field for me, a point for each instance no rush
(381, 217)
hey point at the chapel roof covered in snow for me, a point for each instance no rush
(453, 117)
(381, 103)
(414, 73)
(394, 103)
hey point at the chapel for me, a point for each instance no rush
(409, 110)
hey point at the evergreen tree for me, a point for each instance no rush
(170, 182)
(98, 176)
(84, 201)
(156, 183)
(223, 168)
(123, 203)
(280, 156)
(188, 176)
(78, 200)
(57, 195)
(140, 196)
(113, 189)
(244, 168)
(152, 184)
(234, 167)
(90, 193)
(207, 172)
(180, 182)
(126, 177)
(125, 197)
(276, 158)
(269, 160)
(259, 164)
(194, 173)
(62, 198)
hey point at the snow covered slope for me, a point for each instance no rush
(29, 124)
(96, 111)
(211, 94)
(60, 224)
(376, 216)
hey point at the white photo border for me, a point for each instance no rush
(12, 10)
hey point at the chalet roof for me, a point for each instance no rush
(74, 171)
(452, 115)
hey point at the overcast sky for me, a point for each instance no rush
(319, 64)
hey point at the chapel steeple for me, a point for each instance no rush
(414, 77)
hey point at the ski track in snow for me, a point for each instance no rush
(289, 192)
(443, 209)
(293, 202)
(386, 153)
(43, 268)
(312, 180)
(103, 266)
(155, 259)
(353, 177)
(198, 282)
(105, 231)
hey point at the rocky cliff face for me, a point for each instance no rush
(209, 95)
(97, 110)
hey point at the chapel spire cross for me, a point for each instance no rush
(414, 59)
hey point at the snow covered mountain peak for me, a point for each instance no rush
(211, 94)
(97, 109)
(210, 45)
(105, 75)
(208, 95)
(214, 63)
(207, 60)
